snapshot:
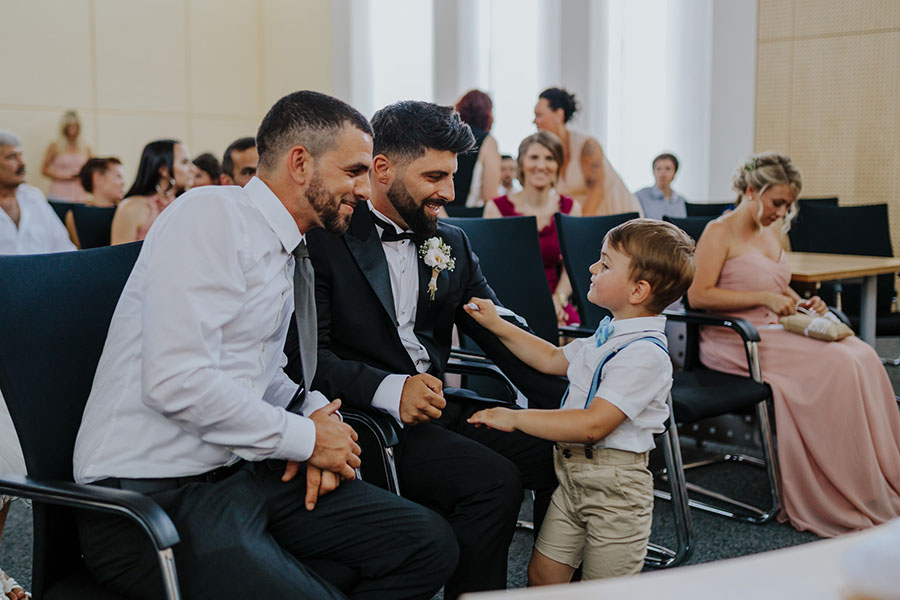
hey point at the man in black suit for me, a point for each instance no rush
(384, 341)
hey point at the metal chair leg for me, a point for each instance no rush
(170, 576)
(660, 556)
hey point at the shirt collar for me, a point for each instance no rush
(655, 324)
(384, 218)
(657, 193)
(275, 213)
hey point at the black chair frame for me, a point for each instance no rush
(710, 500)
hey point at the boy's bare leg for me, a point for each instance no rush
(546, 571)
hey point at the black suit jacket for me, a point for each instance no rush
(358, 340)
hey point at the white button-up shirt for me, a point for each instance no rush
(191, 376)
(404, 271)
(636, 380)
(39, 230)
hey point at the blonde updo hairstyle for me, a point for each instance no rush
(762, 171)
(548, 141)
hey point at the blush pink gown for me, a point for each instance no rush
(836, 418)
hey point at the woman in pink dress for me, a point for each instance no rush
(836, 417)
(540, 156)
(164, 172)
(63, 161)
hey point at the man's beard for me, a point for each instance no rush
(419, 222)
(327, 210)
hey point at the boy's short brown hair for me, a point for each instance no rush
(661, 254)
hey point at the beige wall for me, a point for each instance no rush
(202, 71)
(828, 94)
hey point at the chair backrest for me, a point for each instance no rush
(580, 240)
(861, 230)
(56, 313)
(823, 201)
(510, 256)
(93, 224)
(459, 210)
(61, 208)
(703, 209)
(693, 226)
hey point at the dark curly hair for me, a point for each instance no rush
(560, 98)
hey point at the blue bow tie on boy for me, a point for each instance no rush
(604, 330)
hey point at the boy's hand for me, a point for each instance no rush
(502, 419)
(484, 312)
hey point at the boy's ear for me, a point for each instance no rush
(640, 292)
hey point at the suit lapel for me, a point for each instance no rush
(428, 309)
(365, 246)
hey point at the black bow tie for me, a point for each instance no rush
(389, 232)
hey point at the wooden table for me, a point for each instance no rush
(812, 267)
(812, 570)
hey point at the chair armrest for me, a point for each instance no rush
(139, 508)
(840, 315)
(482, 367)
(381, 423)
(576, 331)
(743, 328)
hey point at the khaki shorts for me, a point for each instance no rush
(600, 515)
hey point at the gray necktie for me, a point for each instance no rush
(305, 314)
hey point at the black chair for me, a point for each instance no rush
(699, 393)
(693, 226)
(860, 230)
(61, 208)
(510, 257)
(459, 210)
(93, 224)
(702, 209)
(580, 239)
(56, 312)
(831, 201)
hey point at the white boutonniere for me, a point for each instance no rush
(436, 254)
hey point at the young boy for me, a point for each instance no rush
(619, 380)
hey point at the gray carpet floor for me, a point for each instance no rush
(715, 537)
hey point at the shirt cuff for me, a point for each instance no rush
(387, 396)
(299, 438)
(313, 402)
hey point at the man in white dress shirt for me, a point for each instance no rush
(27, 223)
(191, 382)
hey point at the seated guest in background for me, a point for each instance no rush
(540, 156)
(104, 180)
(619, 381)
(63, 161)
(27, 226)
(239, 162)
(509, 183)
(585, 174)
(164, 169)
(835, 412)
(190, 382)
(661, 200)
(27, 223)
(207, 170)
(385, 334)
(478, 174)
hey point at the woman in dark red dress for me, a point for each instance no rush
(540, 156)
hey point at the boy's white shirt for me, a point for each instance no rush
(637, 380)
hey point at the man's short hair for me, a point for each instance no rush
(308, 119)
(404, 130)
(240, 145)
(661, 254)
(8, 138)
(209, 164)
(666, 156)
(95, 165)
(506, 157)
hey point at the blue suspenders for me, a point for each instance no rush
(595, 382)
